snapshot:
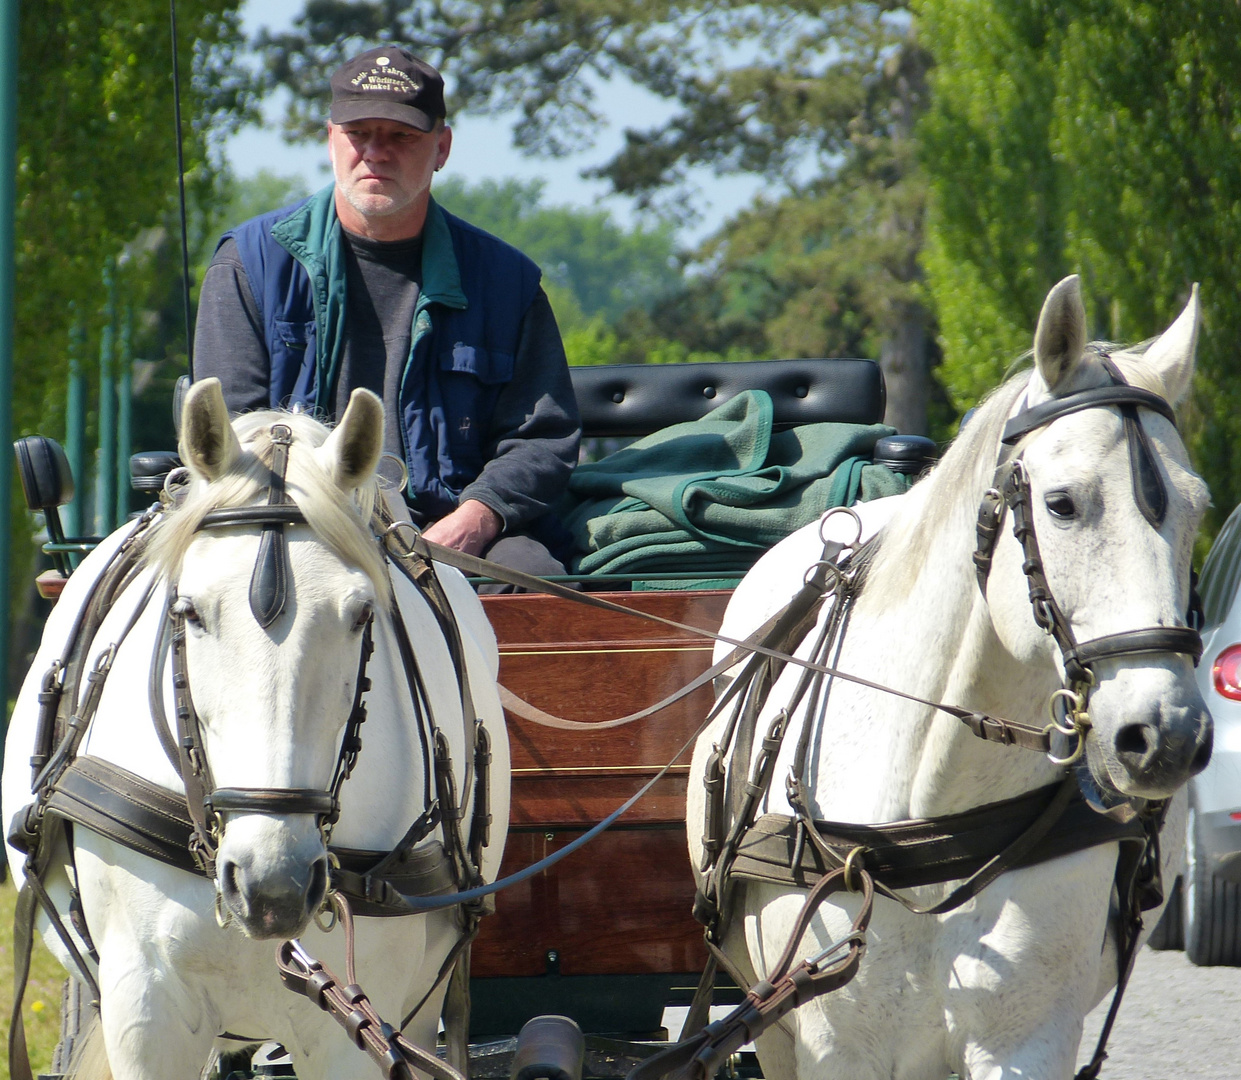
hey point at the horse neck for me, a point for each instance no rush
(922, 626)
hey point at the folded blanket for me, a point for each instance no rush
(710, 495)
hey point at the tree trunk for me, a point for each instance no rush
(903, 360)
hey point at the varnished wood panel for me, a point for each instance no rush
(620, 906)
(588, 665)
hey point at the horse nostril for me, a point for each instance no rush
(317, 889)
(229, 888)
(1136, 740)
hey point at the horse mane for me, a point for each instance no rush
(343, 524)
(956, 485)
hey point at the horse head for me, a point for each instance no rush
(275, 581)
(1112, 506)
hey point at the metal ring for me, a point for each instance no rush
(836, 571)
(841, 510)
(177, 478)
(1074, 757)
(384, 481)
(328, 909)
(392, 529)
(850, 863)
(1072, 721)
(223, 916)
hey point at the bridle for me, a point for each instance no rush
(1010, 490)
(268, 594)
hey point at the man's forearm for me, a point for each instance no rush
(470, 528)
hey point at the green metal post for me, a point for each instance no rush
(75, 432)
(105, 465)
(8, 201)
(124, 411)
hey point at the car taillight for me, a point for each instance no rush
(1226, 671)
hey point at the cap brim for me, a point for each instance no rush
(344, 112)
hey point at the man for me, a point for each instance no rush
(370, 283)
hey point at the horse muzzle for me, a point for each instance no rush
(1154, 749)
(271, 876)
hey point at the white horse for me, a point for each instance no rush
(185, 963)
(999, 987)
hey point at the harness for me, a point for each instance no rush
(974, 847)
(183, 830)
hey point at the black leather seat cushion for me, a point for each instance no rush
(636, 399)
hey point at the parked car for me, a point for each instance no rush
(1204, 913)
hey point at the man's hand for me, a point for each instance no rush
(469, 528)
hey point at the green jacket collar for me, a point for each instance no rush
(310, 233)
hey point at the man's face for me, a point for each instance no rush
(384, 168)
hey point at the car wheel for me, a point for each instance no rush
(1169, 932)
(1212, 907)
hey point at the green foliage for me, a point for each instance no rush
(1099, 137)
(97, 181)
(608, 269)
(97, 159)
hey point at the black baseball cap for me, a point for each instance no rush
(388, 84)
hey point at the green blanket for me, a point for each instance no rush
(710, 495)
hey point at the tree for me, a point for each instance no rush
(96, 179)
(97, 160)
(609, 270)
(1100, 137)
(817, 97)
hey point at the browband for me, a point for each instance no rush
(1040, 415)
(283, 514)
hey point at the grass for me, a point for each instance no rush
(41, 1008)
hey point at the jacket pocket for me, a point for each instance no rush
(293, 362)
(471, 378)
(488, 366)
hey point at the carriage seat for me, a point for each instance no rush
(627, 400)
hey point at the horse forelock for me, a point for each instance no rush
(340, 521)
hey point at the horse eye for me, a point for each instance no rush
(1059, 505)
(364, 616)
(184, 607)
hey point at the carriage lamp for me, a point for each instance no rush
(1226, 673)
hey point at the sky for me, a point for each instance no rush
(483, 148)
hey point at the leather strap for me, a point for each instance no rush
(768, 1001)
(1173, 639)
(928, 851)
(349, 1006)
(1041, 415)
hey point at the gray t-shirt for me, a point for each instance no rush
(383, 280)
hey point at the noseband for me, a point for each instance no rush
(268, 596)
(1010, 490)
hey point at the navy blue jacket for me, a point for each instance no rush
(475, 292)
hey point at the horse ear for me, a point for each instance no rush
(1172, 353)
(209, 445)
(351, 453)
(1061, 335)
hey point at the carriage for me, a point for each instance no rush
(607, 937)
